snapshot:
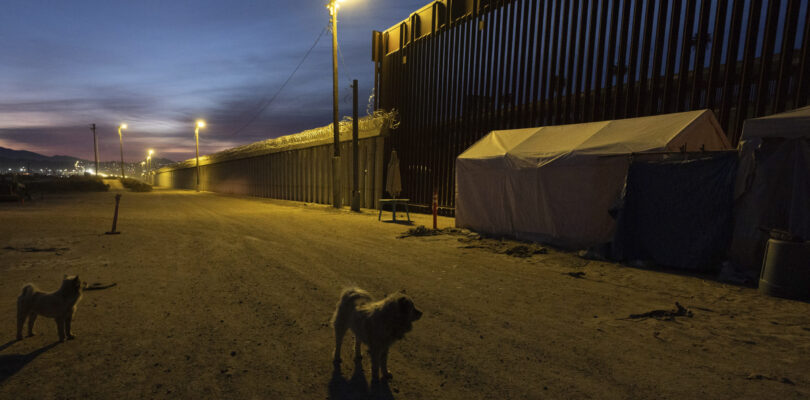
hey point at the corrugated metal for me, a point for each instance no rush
(301, 174)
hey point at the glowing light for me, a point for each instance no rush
(200, 124)
(151, 152)
(123, 126)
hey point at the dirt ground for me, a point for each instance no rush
(229, 297)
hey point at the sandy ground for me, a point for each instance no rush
(227, 297)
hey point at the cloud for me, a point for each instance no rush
(159, 66)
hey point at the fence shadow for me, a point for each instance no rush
(356, 387)
(10, 364)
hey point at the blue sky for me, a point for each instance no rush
(159, 65)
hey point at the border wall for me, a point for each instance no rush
(458, 69)
(294, 167)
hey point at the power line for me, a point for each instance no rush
(343, 61)
(346, 69)
(267, 103)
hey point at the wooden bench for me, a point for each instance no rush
(394, 203)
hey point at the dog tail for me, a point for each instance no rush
(25, 296)
(348, 302)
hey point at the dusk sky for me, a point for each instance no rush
(159, 65)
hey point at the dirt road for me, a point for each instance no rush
(226, 297)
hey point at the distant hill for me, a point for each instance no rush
(11, 154)
(16, 159)
(10, 158)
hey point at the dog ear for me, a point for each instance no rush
(405, 305)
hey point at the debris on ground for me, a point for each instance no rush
(664, 315)
(578, 275)
(99, 286)
(754, 376)
(420, 230)
(500, 247)
(524, 251)
(475, 241)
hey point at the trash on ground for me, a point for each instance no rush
(664, 315)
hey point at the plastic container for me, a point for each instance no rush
(786, 270)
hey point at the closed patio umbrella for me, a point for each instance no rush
(393, 182)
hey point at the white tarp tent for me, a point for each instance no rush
(555, 184)
(773, 184)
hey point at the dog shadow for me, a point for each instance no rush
(356, 387)
(398, 222)
(10, 364)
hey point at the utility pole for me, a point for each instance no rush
(121, 142)
(95, 147)
(200, 124)
(355, 152)
(336, 200)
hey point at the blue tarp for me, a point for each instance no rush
(677, 213)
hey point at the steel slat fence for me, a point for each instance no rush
(457, 69)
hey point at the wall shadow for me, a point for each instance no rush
(356, 387)
(10, 364)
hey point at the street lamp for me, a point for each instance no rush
(149, 159)
(121, 142)
(336, 200)
(200, 124)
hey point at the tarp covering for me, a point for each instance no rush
(792, 124)
(773, 184)
(677, 213)
(556, 183)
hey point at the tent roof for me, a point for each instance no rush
(666, 132)
(789, 125)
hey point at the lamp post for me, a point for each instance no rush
(149, 165)
(336, 200)
(200, 124)
(121, 142)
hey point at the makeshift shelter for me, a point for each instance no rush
(556, 184)
(773, 184)
(677, 210)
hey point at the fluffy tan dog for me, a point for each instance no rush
(378, 324)
(59, 305)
